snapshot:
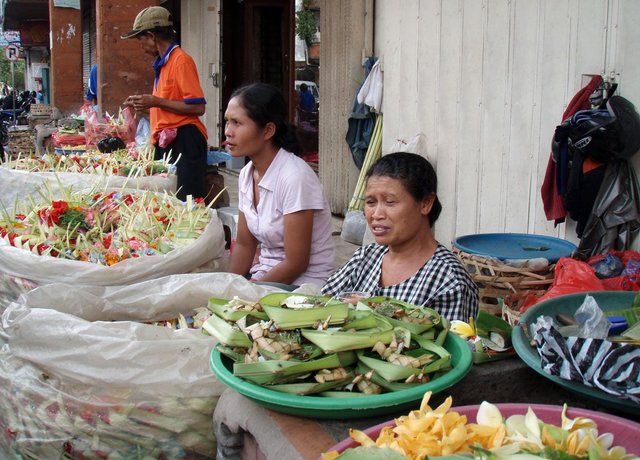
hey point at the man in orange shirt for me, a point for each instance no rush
(176, 103)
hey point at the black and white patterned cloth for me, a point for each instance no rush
(612, 367)
(442, 283)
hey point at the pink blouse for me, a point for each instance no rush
(288, 186)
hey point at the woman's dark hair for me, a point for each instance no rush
(264, 104)
(414, 172)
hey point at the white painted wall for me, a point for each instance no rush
(487, 81)
(200, 36)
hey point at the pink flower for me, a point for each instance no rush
(135, 244)
(89, 219)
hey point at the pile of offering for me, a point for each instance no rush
(445, 433)
(70, 133)
(103, 227)
(308, 345)
(121, 126)
(194, 321)
(488, 336)
(169, 427)
(120, 163)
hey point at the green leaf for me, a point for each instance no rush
(416, 319)
(360, 319)
(310, 387)
(333, 341)
(226, 333)
(388, 371)
(229, 311)
(230, 353)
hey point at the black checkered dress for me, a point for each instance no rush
(442, 283)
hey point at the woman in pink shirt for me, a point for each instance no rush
(281, 201)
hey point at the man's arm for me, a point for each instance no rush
(143, 102)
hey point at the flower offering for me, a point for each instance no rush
(123, 162)
(104, 226)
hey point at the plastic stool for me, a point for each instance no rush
(229, 217)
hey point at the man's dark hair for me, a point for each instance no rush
(164, 33)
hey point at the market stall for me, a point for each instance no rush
(253, 421)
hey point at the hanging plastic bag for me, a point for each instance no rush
(166, 137)
(417, 144)
(143, 133)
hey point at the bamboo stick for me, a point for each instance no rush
(374, 152)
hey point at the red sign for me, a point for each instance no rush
(34, 33)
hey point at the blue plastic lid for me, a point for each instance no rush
(516, 246)
(217, 156)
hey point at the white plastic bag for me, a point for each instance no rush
(354, 226)
(592, 320)
(143, 133)
(417, 144)
(17, 185)
(83, 375)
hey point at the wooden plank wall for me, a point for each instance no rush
(347, 35)
(487, 82)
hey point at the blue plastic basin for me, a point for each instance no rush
(515, 246)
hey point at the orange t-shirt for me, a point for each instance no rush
(178, 81)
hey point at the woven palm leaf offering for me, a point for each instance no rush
(130, 162)
(319, 345)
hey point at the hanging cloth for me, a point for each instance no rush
(615, 219)
(551, 198)
(371, 91)
(361, 122)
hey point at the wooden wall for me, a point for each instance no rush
(347, 35)
(487, 82)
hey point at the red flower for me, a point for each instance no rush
(52, 215)
(106, 241)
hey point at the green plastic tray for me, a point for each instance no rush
(320, 407)
(608, 301)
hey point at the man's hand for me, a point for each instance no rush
(141, 102)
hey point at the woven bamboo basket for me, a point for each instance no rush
(40, 109)
(497, 280)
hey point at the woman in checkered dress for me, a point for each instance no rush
(406, 262)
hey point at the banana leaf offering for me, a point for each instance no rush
(317, 345)
(488, 336)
